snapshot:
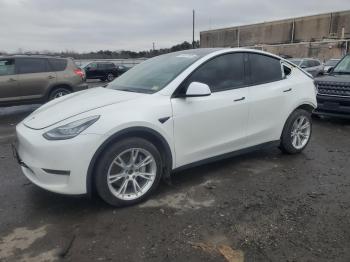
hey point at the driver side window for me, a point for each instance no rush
(221, 73)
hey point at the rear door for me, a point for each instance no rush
(208, 126)
(270, 95)
(35, 77)
(8, 80)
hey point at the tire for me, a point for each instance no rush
(109, 168)
(110, 77)
(59, 92)
(293, 144)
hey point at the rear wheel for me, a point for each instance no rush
(128, 172)
(297, 132)
(59, 92)
(110, 77)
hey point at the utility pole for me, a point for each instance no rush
(153, 46)
(193, 24)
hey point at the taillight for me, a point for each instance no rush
(80, 73)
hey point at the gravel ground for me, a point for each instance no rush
(264, 206)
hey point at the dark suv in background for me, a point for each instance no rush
(333, 96)
(37, 79)
(105, 71)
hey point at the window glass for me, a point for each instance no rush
(264, 69)
(7, 67)
(154, 74)
(286, 70)
(110, 66)
(221, 73)
(343, 66)
(305, 64)
(32, 65)
(92, 65)
(58, 64)
(316, 63)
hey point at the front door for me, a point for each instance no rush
(209, 126)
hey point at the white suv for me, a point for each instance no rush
(168, 113)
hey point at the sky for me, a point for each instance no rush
(92, 25)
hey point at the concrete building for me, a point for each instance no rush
(323, 36)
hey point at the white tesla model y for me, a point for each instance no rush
(167, 113)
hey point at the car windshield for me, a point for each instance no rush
(154, 74)
(295, 61)
(331, 62)
(344, 66)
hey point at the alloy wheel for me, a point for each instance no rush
(131, 174)
(301, 130)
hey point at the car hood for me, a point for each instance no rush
(334, 79)
(75, 104)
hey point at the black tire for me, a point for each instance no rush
(59, 92)
(106, 159)
(110, 77)
(286, 144)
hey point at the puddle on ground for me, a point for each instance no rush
(17, 243)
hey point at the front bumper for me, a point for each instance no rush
(336, 106)
(57, 166)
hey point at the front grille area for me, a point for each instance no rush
(333, 88)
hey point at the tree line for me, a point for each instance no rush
(123, 54)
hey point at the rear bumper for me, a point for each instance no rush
(336, 106)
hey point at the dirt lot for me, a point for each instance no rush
(263, 206)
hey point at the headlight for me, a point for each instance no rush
(70, 130)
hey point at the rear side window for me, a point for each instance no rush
(221, 73)
(58, 64)
(7, 67)
(32, 65)
(110, 66)
(264, 69)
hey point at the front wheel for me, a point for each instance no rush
(297, 132)
(128, 172)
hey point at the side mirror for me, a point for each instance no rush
(198, 89)
(303, 66)
(330, 70)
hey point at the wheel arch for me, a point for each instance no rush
(309, 107)
(143, 132)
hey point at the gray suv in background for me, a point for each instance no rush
(310, 65)
(36, 79)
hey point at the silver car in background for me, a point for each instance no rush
(310, 65)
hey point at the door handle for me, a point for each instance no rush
(287, 90)
(11, 80)
(239, 99)
(50, 77)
